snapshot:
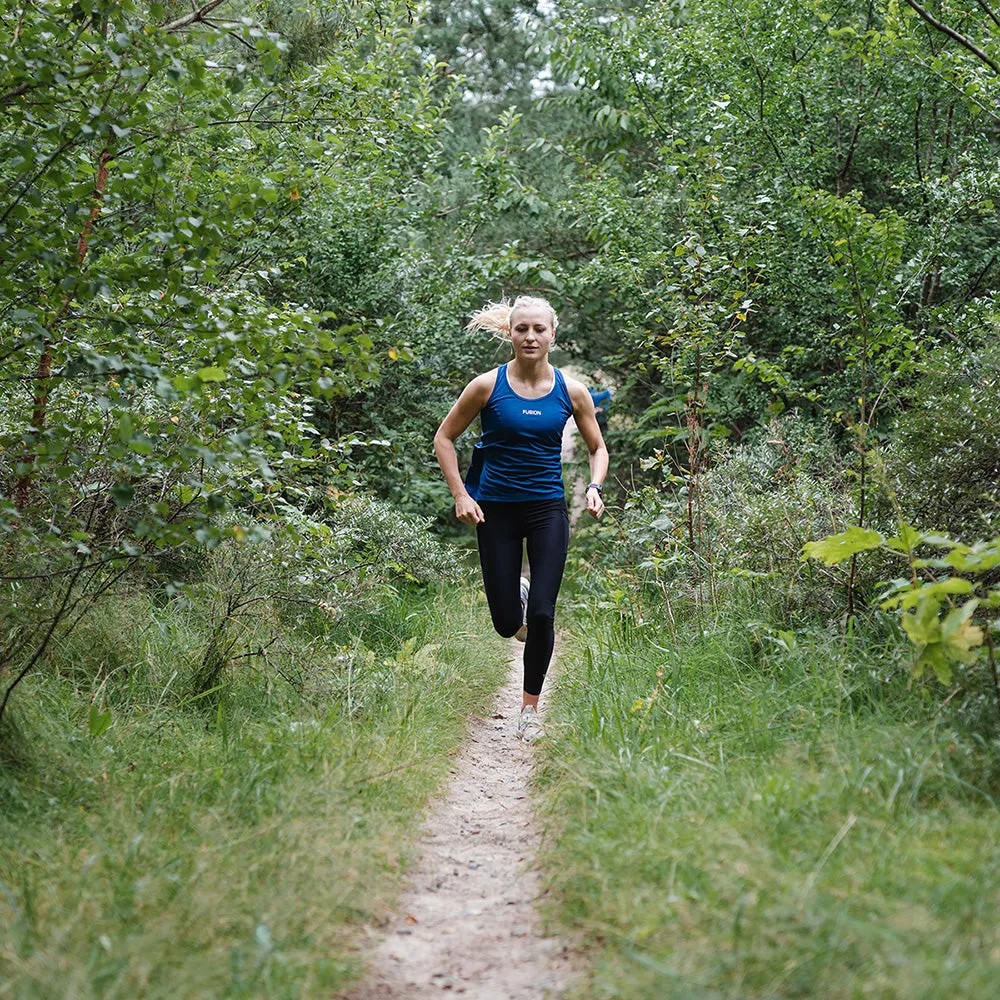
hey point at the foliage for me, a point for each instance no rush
(943, 462)
(239, 241)
(760, 502)
(151, 166)
(323, 579)
(229, 849)
(757, 131)
(944, 634)
(718, 798)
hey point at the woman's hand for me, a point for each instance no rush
(468, 511)
(595, 503)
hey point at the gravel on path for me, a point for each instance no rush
(468, 924)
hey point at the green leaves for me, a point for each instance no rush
(944, 634)
(152, 184)
(98, 722)
(937, 590)
(835, 548)
(941, 643)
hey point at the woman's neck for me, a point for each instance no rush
(533, 372)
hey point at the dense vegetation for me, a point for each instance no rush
(743, 811)
(238, 241)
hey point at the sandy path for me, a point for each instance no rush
(468, 923)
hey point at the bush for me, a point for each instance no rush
(944, 464)
(321, 576)
(759, 504)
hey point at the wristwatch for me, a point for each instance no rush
(598, 487)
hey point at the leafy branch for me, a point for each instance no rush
(944, 632)
(956, 35)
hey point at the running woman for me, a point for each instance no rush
(513, 492)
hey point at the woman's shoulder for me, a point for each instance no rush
(481, 387)
(576, 389)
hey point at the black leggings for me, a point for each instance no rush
(545, 526)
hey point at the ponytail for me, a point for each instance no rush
(495, 317)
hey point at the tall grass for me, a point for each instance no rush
(741, 810)
(227, 845)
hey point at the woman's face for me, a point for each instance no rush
(531, 332)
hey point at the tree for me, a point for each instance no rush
(152, 156)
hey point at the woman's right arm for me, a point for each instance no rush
(474, 397)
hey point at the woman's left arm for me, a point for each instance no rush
(586, 422)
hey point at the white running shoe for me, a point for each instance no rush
(529, 728)
(522, 633)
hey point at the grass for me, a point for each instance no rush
(730, 816)
(229, 846)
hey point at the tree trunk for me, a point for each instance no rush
(22, 489)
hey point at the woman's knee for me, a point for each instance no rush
(541, 620)
(506, 625)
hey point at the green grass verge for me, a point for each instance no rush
(732, 818)
(225, 850)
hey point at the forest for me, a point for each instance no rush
(241, 630)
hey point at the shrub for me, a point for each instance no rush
(759, 503)
(944, 464)
(320, 576)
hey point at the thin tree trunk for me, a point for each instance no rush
(22, 489)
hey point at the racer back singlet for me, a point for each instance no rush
(518, 455)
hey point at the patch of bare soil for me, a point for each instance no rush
(468, 923)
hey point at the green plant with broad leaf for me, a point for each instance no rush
(948, 585)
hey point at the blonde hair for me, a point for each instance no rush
(495, 316)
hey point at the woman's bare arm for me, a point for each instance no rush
(586, 422)
(474, 397)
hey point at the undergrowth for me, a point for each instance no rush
(738, 808)
(159, 844)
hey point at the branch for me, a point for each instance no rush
(986, 109)
(21, 88)
(952, 33)
(52, 574)
(42, 646)
(974, 286)
(219, 26)
(27, 185)
(985, 8)
(194, 16)
(649, 111)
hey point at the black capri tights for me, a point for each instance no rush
(544, 524)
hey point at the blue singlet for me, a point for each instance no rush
(518, 455)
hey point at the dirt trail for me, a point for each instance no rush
(468, 924)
